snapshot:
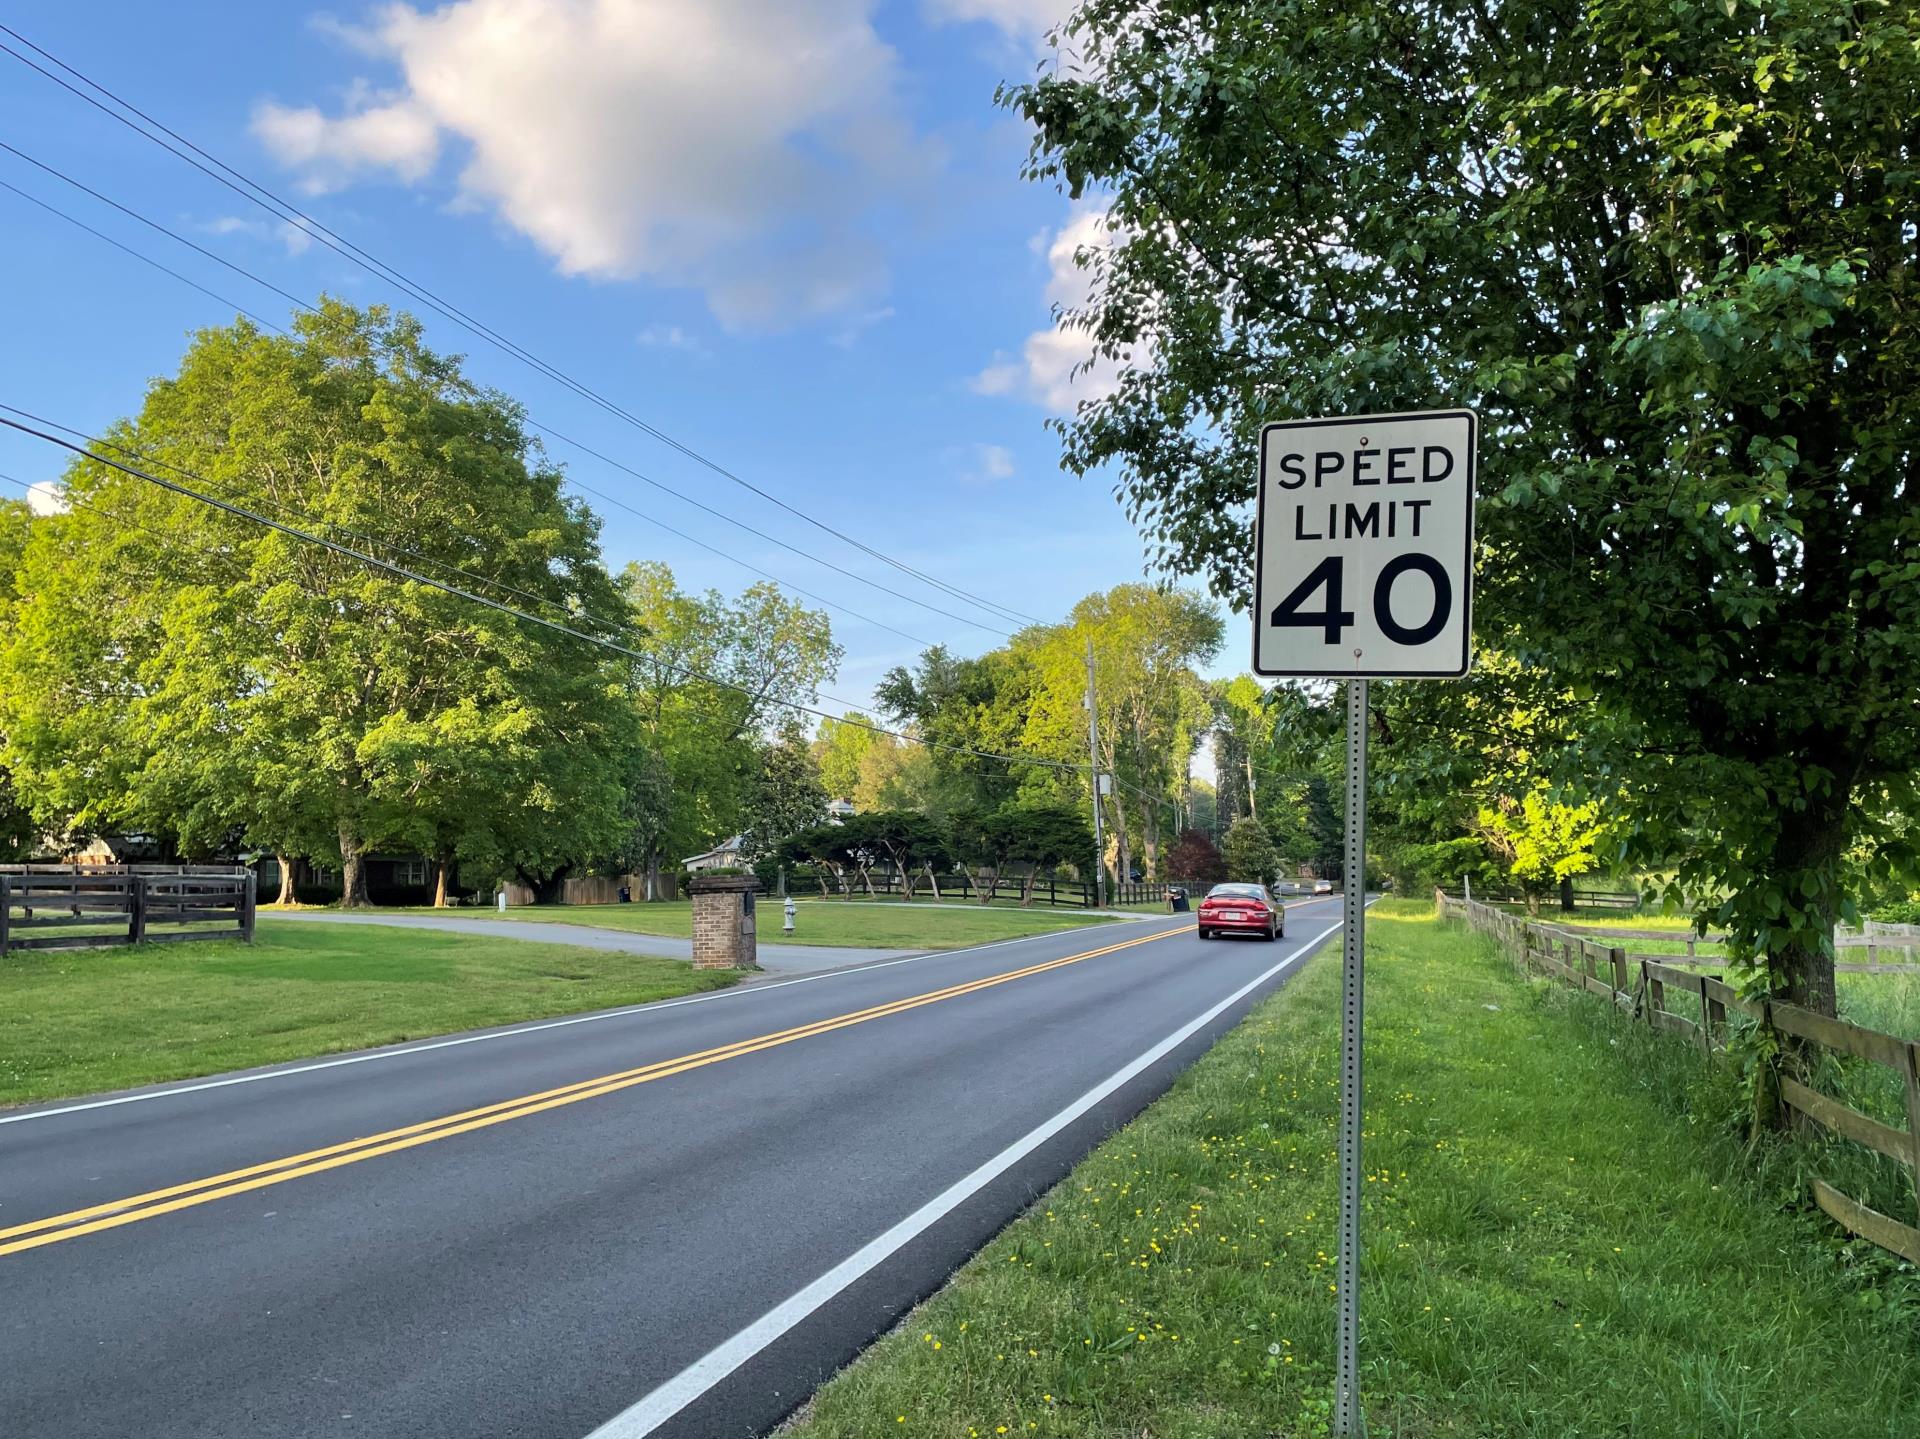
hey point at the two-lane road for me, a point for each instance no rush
(673, 1220)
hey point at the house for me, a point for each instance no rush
(725, 855)
(108, 849)
(839, 809)
(391, 878)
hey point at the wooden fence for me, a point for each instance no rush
(65, 910)
(1047, 889)
(1620, 899)
(1644, 986)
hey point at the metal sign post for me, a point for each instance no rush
(1363, 570)
(1347, 1420)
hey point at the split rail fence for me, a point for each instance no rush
(1644, 986)
(72, 910)
(1048, 889)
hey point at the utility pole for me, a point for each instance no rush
(1093, 755)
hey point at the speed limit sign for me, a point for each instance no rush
(1363, 570)
(1364, 546)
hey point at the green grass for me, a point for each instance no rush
(856, 924)
(1886, 1002)
(79, 1021)
(1564, 1241)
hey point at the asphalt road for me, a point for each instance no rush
(671, 1220)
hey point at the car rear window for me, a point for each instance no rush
(1236, 891)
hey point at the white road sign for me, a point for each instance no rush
(1364, 547)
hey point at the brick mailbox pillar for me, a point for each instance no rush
(723, 921)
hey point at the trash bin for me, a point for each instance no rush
(626, 895)
(1177, 897)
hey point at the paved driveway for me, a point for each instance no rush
(779, 958)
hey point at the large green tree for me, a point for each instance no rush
(715, 679)
(971, 710)
(784, 794)
(1146, 642)
(17, 827)
(1667, 250)
(179, 670)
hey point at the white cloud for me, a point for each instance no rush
(737, 146)
(669, 337)
(1002, 377)
(1053, 366)
(48, 497)
(860, 324)
(294, 237)
(376, 133)
(979, 464)
(1020, 19)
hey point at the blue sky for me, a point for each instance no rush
(791, 233)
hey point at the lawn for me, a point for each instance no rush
(1562, 1240)
(857, 924)
(79, 1021)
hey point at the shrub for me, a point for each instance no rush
(1249, 852)
(1196, 859)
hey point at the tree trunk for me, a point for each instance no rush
(984, 892)
(1150, 840)
(933, 881)
(1566, 894)
(353, 871)
(1026, 886)
(866, 878)
(547, 888)
(441, 868)
(653, 875)
(906, 881)
(1117, 812)
(286, 879)
(820, 877)
(1807, 856)
(1253, 811)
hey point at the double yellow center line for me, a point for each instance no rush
(156, 1202)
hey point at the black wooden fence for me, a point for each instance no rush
(41, 910)
(1048, 889)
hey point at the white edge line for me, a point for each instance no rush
(651, 1007)
(650, 1412)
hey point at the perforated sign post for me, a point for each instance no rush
(1363, 570)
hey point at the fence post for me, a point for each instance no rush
(247, 897)
(1912, 1077)
(1706, 1021)
(1618, 959)
(1656, 995)
(6, 912)
(136, 908)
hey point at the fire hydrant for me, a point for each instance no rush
(787, 928)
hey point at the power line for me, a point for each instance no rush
(283, 508)
(532, 422)
(575, 483)
(263, 198)
(145, 259)
(684, 671)
(241, 574)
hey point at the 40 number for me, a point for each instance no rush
(1331, 619)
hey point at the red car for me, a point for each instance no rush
(1241, 909)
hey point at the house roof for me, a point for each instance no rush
(727, 846)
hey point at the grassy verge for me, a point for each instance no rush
(920, 925)
(1562, 1240)
(78, 1021)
